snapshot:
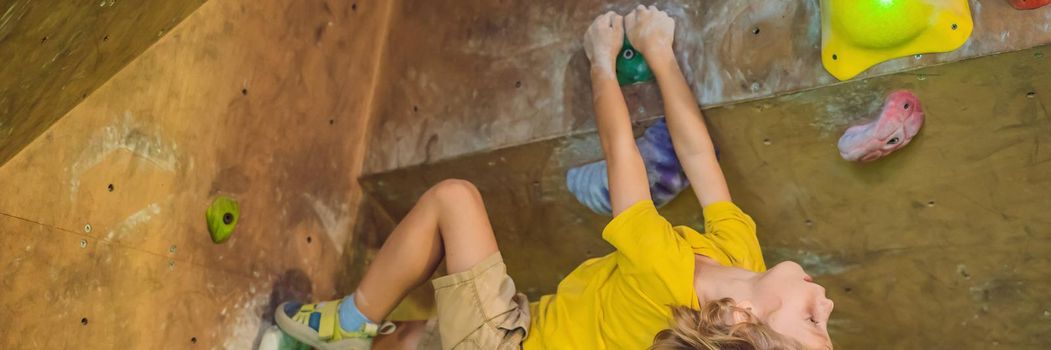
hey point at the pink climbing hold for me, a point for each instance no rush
(898, 122)
(1029, 4)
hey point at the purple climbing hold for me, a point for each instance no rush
(590, 185)
(896, 124)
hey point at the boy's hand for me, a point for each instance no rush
(651, 31)
(603, 41)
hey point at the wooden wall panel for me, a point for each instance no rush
(266, 102)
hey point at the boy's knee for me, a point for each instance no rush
(456, 192)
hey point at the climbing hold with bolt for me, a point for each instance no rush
(858, 34)
(222, 218)
(631, 66)
(889, 130)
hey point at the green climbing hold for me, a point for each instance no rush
(631, 66)
(222, 218)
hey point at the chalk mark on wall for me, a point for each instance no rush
(127, 134)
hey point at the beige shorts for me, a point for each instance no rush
(480, 309)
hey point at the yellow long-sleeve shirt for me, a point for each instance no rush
(621, 300)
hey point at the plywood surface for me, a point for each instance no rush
(264, 102)
(471, 76)
(55, 53)
(943, 245)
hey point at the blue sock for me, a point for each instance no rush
(350, 318)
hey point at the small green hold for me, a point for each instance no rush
(222, 218)
(631, 66)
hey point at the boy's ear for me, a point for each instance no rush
(744, 311)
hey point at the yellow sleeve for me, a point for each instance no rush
(733, 232)
(658, 261)
(642, 235)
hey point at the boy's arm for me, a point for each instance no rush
(652, 32)
(627, 174)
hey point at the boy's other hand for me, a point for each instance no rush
(650, 30)
(603, 41)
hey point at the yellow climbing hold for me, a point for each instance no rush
(858, 34)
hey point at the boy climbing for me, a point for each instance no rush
(712, 289)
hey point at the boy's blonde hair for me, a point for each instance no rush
(713, 328)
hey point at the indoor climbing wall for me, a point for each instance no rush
(103, 242)
(281, 106)
(941, 245)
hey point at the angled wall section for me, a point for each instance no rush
(55, 53)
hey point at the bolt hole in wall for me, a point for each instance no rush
(309, 239)
(354, 6)
(193, 340)
(834, 57)
(43, 40)
(415, 109)
(755, 31)
(105, 38)
(930, 204)
(244, 91)
(110, 187)
(84, 321)
(767, 142)
(518, 84)
(1030, 94)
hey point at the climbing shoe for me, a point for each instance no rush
(317, 325)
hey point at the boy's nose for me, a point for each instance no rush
(827, 304)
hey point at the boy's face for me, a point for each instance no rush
(790, 302)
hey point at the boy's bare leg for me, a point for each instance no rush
(448, 221)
